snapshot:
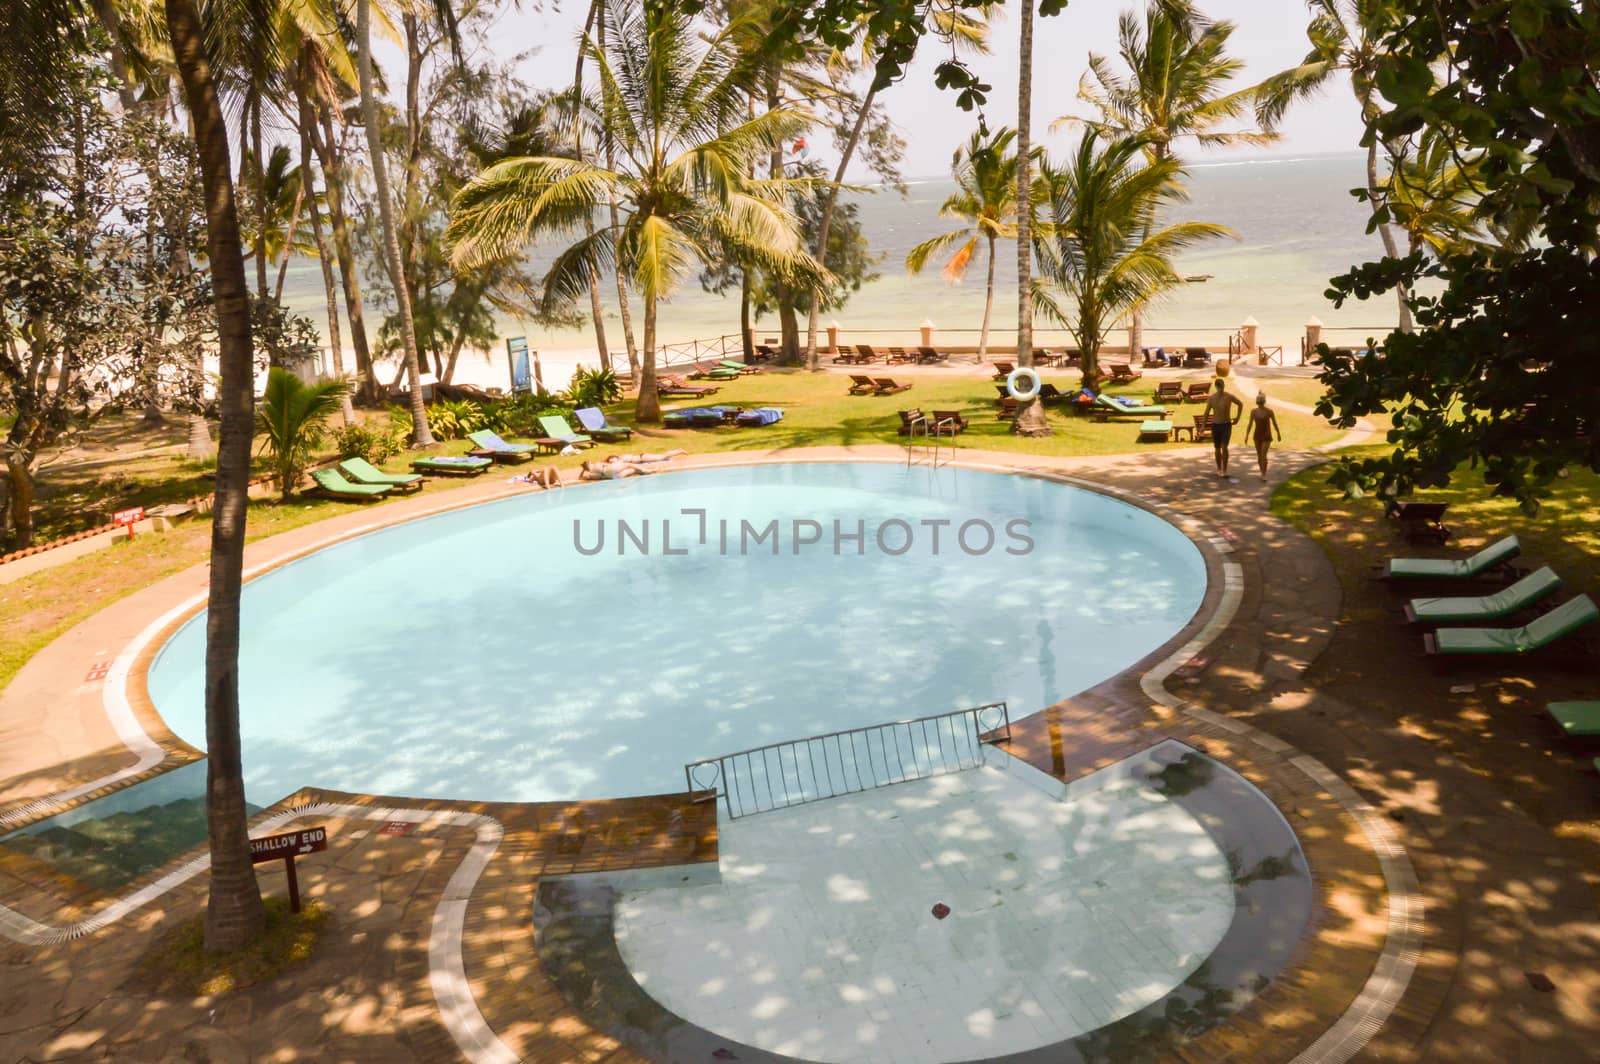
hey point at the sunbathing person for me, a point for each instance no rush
(641, 459)
(610, 470)
(545, 478)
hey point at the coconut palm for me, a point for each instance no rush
(1178, 71)
(965, 31)
(1345, 35)
(293, 419)
(674, 118)
(1030, 420)
(1103, 253)
(202, 43)
(421, 437)
(986, 197)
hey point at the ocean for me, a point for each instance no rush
(1296, 221)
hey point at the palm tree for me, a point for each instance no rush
(421, 437)
(986, 197)
(964, 31)
(292, 419)
(1177, 71)
(1102, 252)
(1345, 35)
(673, 117)
(1025, 213)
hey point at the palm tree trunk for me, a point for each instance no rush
(258, 181)
(648, 409)
(1025, 187)
(288, 237)
(234, 913)
(328, 152)
(1390, 248)
(623, 307)
(988, 305)
(597, 311)
(747, 331)
(324, 260)
(1030, 420)
(420, 437)
(826, 224)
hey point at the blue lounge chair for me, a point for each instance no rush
(490, 443)
(595, 424)
(761, 415)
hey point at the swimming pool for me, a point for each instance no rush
(588, 643)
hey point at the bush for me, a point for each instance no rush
(451, 419)
(376, 446)
(593, 387)
(519, 415)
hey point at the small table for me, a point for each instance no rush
(549, 444)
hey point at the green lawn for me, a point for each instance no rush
(819, 412)
(1355, 534)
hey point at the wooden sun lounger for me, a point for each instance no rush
(1419, 520)
(1169, 392)
(889, 386)
(927, 355)
(860, 384)
(865, 353)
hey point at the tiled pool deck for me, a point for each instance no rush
(384, 986)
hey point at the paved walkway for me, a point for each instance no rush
(1504, 884)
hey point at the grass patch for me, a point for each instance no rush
(819, 413)
(1355, 534)
(179, 962)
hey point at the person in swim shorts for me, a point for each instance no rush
(1219, 406)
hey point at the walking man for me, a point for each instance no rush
(1222, 421)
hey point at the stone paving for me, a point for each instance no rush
(1505, 888)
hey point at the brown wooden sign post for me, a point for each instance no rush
(286, 848)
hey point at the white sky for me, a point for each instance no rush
(1269, 36)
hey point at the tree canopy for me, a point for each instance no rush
(1503, 371)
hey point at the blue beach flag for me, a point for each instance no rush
(521, 373)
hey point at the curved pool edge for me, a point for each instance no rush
(1389, 973)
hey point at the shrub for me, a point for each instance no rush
(451, 419)
(375, 445)
(593, 387)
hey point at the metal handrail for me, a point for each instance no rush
(801, 771)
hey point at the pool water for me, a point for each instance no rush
(508, 652)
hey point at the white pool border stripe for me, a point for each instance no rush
(447, 972)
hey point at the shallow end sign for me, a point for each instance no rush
(290, 844)
(286, 848)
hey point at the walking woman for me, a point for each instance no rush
(1263, 425)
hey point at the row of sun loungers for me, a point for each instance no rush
(864, 385)
(357, 479)
(865, 353)
(1527, 595)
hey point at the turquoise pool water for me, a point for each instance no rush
(487, 653)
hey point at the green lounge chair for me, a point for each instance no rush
(1577, 719)
(1535, 635)
(1479, 564)
(1105, 406)
(364, 472)
(332, 484)
(493, 446)
(740, 367)
(463, 465)
(555, 426)
(1503, 603)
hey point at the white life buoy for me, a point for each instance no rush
(1033, 384)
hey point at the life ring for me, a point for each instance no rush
(1033, 387)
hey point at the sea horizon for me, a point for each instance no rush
(1297, 224)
